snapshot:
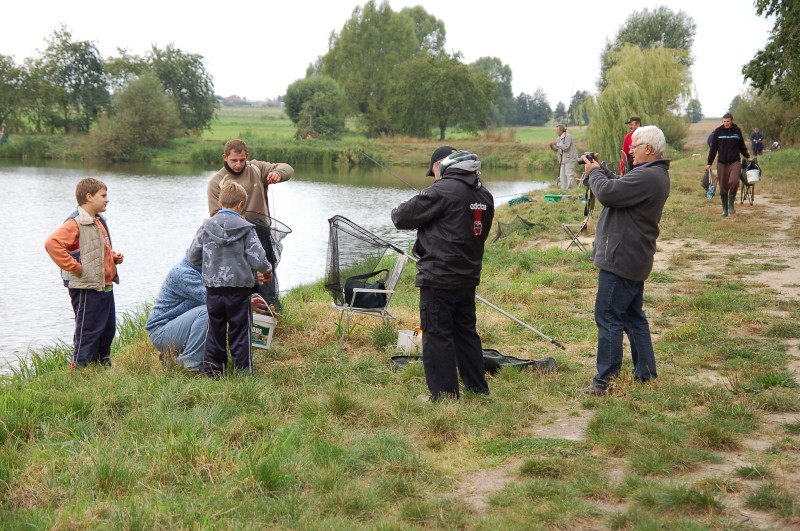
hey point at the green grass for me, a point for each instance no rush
(773, 498)
(752, 472)
(324, 438)
(240, 122)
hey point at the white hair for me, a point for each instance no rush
(650, 134)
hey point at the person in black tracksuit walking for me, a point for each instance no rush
(726, 144)
(452, 218)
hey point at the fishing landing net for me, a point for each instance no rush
(352, 250)
(517, 224)
(270, 233)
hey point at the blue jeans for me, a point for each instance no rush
(618, 310)
(186, 335)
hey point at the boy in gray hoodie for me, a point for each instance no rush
(228, 250)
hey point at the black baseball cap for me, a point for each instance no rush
(439, 154)
(634, 119)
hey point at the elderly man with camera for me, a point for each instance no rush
(625, 243)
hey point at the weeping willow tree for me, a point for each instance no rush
(652, 84)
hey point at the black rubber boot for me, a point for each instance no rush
(731, 201)
(724, 198)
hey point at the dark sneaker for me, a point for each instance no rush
(211, 373)
(594, 390)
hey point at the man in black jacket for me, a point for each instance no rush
(727, 143)
(452, 217)
(625, 243)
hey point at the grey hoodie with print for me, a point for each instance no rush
(227, 248)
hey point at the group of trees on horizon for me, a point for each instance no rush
(390, 71)
(126, 102)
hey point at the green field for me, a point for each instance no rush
(235, 122)
(266, 128)
(242, 122)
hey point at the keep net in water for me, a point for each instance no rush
(517, 224)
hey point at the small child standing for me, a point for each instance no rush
(81, 247)
(227, 248)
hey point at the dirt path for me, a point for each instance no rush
(570, 423)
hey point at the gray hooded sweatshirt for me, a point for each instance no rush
(228, 250)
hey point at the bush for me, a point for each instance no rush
(143, 118)
(316, 106)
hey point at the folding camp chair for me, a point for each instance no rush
(748, 185)
(748, 193)
(574, 230)
(349, 308)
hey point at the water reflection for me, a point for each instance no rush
(153, 214)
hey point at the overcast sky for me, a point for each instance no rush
(255, 49)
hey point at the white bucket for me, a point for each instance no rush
(408, 341)
(262, 330)
(753, 176)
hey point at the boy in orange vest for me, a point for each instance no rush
(81, 247)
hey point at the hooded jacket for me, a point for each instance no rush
(452, 217)
(228, 250)
(627, 230)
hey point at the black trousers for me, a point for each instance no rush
(450, 342)
(95, 325)
(229, 323)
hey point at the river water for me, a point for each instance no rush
(153, 213)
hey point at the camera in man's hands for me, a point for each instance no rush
(589, 155)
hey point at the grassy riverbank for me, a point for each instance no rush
(270, 136)
(327, 438)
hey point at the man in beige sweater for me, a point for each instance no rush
(255, 176)
(567, 155)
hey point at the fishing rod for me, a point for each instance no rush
(508, 195)
(415, 188)
(499, 309)
(390, 172)
(526, 325)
